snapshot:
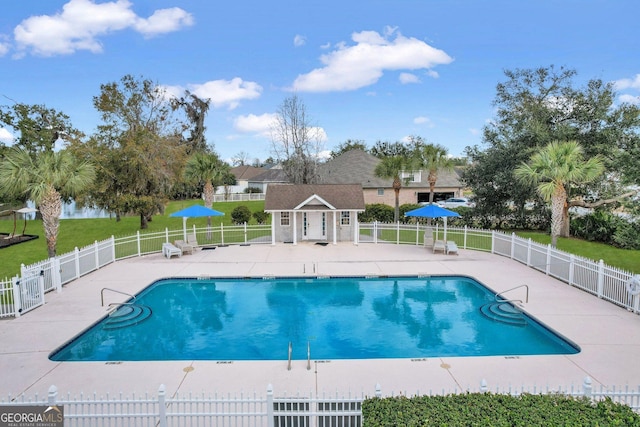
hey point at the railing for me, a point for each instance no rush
(270, 410)
(500, 294)
(113, 290)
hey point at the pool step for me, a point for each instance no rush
(127, 315)
(504, 312)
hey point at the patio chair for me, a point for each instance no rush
(192, 240)
(439, 245)
(169, 250)
(185, 247)
(452, 248)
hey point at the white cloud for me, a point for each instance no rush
(81, 22)
(623, 84)
(629, 99)
(474, 131)
(6, 137)
(299, 40)
(221, 93)
(420, 120)
(258, 125)
(406, 78)
(4, 44)
(364, 63)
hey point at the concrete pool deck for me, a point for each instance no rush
(609, 336)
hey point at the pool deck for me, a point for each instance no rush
(609, 336)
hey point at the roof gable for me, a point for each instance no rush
(282, 197)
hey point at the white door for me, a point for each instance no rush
(314, 226)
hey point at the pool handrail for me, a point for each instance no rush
(112, 290)
(500, 294)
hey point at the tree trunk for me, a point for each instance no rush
(143, 222)
(397, 184)
(558, 203)
(51, 207)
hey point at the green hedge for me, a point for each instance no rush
(487, 409)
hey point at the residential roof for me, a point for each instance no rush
(358, 166)
(281, 197)
(246, 172)
(275, 175)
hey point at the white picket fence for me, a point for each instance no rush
(272, 411)
(597, 278)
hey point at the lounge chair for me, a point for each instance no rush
(169, 250)
(439, 245)
(192, 240)
(185, 247)
(452, 248)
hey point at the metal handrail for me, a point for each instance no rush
(308, 355)
(290, 350)
(113, 290)
(499, 294)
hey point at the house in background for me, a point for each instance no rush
(243, 175)
(314, 212)
(357, 167)
(275, 175)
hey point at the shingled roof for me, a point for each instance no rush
(284, 197)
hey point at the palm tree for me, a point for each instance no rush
(433, 158)
(552, 170)
(45, 178)
(206, 168)
(390, 167)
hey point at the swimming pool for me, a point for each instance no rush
(322, 318)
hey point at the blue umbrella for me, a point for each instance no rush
(195, 211)
(433, 211)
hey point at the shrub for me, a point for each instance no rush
(486, 409)
(241, 214)
(252, 190)
(261, 217)
(377, 212)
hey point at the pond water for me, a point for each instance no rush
(69, 211)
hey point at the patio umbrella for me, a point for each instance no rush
(24, 211)
(195, 211)
(433, 211)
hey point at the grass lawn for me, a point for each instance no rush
(82, 232)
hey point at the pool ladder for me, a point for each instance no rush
(308, 356)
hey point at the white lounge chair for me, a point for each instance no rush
(452, 248)
(439, 245)
(169, 250)
(185, 247)
(192, 240)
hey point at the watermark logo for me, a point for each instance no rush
(31, 416)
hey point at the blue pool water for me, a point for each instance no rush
(336, 318)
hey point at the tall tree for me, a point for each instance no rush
(140, 141)
(433, 159)
(45, 178)
(348, 145)
(533, 108)
(209, 171)
(296, 143)
(390, 168)
(553, 170)
(37, 128)
(195, 109)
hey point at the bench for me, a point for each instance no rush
(169, 250)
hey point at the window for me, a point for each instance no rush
(285, 219)
(345, 218)
(411, 176)
(380, 191)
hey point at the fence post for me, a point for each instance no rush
(464, 240)
(375, 231)
(138, 241)
(378, 391)
(270, 420)
(587, 387)
(493, 241)
(221, 234)
(571, 268)
(245, 232)
(52, 396)
(96, 253)
(113, 248)
(547, 267)
(513, 245)
(483, 386)
(76, 261)
(529, 252)
(162, 406)
(56, 274)
(600, 278)
(166, 234)
(17, 302)
(398, 233)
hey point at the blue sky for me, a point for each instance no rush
(368, 70)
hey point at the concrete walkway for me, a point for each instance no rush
(609, 336)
